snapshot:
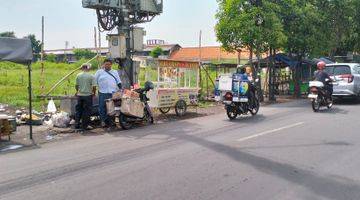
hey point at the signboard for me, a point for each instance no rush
(166, 98)
(178, 64)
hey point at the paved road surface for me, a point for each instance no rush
(286, 152)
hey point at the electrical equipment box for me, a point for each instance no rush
(101, 4)
(117, 43)
(117, 46)
(137, 39)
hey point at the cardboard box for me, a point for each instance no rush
(133, 107)
(110, 107)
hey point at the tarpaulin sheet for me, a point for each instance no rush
(16, 50)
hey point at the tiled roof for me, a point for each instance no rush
(207, 54)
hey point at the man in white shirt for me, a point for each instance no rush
(108, 82)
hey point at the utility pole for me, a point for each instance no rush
(66, 47)
(42, 79)
(42, 75)
(95, 41)
(99, 55)
(123, 15)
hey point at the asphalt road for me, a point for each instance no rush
(286, 152)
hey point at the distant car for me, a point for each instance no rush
(347, 77)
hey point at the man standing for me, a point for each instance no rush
(85, 90)
(109, 82)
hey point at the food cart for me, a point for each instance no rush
(176, 84)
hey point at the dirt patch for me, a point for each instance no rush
(44, 134)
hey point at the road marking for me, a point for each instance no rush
(270, 131)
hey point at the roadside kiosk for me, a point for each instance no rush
(176, 84)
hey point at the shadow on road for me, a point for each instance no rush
(333, 110)
(347, 101)
(325, 185)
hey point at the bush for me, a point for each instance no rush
(50, 57)
(83, 53)
(158, 51)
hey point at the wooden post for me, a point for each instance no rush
(30, 103)
(42, 78)
(207, 84)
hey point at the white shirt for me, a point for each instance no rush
(106, 82)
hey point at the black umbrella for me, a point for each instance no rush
(19, 51)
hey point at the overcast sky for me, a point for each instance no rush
(66, 20)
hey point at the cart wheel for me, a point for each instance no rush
(164, 110)
(125, 123)
(180, 108)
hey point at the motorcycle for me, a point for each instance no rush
(127, 121)
(241, 100)
(319, 96)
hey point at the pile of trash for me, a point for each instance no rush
(50, 118)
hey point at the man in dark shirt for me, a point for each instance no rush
(322, 76)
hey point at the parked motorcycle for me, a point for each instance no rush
(319, 95)
(127, 121)
(241, 100)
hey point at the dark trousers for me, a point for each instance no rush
(83, 111)
(102, 107)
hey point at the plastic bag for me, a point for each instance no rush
(51, 108)
(61, 120)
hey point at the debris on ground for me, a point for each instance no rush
(61, 120)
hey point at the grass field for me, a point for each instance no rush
(14, 82)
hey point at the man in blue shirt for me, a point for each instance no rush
(108, 82)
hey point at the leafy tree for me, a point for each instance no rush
(338, 25)
(248, 24)
(253, 25)
(156, 52)
(83, 53)
(36, 44)
(356, 27)
(8, 34)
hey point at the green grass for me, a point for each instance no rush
(14, 82)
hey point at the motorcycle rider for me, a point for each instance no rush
(241, 73)
(322, 76)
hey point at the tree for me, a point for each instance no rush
(253, 25)
(156, 52)
(8, 34)
(356, 26)
(83, 53)
(339, 25)
(301, 21)
(36, 46)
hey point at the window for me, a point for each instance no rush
(330, 70)
(341, 70)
